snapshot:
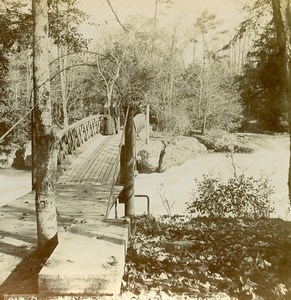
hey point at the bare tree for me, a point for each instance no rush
(109, 76)
(46, 161)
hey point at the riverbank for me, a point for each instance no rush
(269, 160)
(174, 186)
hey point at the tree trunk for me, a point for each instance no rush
(62, 69)
(46, 158)
(63, 81)
(282, 19)
(201, 91)
(154, 27)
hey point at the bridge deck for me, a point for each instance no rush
(95, 165)
(81, 198)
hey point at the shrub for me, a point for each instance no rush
(220, 141)
(239, 197)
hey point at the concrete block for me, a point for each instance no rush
(83, 264)
(115, 230)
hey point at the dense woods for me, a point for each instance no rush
(228, 85)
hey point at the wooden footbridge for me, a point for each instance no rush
(90, 256)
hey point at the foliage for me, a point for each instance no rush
(221, 141)
(258, 12)
(209, 257)
(15, 32)
(65, 18)
(261, 82)
(240, 196)
(16, 60)
(218, 99)
(10, 114)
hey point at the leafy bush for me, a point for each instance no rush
(239, 197)
(220, 141)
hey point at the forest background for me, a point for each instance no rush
(196, 77)
(195, 74)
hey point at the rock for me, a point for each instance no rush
(179, 151)
(159, 155)
(143, 165)
(6, 159)
(148, 155)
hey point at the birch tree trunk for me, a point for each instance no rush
(282, 19)
(63, 81)
(46, 159)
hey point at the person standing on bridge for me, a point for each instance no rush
(107, 126)
(115, 114)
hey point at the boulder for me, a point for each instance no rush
(159, 155)
(178, 151)
(6, 159)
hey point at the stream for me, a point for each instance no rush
(270, 159)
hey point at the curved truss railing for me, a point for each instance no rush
(76, 134)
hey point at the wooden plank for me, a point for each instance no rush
(101, 162)
(73, 171)
(82, 169)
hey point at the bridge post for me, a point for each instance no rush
(127, 165)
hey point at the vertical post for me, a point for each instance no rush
(33, 152)
(128, 160)
(147, 124)
(46, 155)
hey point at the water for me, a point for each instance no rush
(270, 160)
(175, 186)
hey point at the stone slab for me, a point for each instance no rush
(82, 264)
(112, 230)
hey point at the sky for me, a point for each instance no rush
(183, 10)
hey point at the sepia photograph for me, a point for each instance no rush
(145, 149)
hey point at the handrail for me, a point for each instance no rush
(61, 132)
(110, 202)
(76, 134)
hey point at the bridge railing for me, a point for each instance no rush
(76, 134)
(126, 159)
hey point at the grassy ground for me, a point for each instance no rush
(204, 257)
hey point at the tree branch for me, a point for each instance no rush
(117, 19)
(70, 67)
